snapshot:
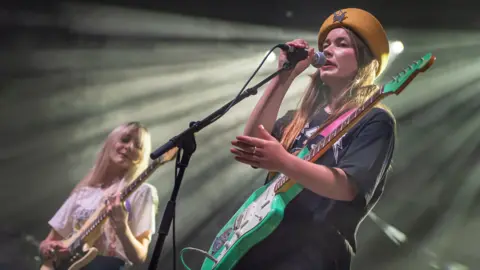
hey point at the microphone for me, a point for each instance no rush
(300, 54)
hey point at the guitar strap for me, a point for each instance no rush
(334, 124)
(325, 131)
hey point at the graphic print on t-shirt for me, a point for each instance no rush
(80, 216)
(337, 146)
(313, 145)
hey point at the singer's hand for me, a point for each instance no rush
(302, 65)
(263, 152)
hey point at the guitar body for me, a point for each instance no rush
(81, 252)
(254, 221)
(77, 260)
(264, 210)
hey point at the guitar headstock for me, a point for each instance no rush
(169, 155)
(402, 79)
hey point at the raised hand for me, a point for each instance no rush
(301, 65)
(263, 152)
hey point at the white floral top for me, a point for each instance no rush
(141, 207)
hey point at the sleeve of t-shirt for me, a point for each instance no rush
(144, 204)
(369, 154)
(281, 123)
(62, 220)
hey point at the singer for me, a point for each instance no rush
(127, 233)
(319, 228)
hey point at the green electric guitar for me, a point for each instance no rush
(263, 211)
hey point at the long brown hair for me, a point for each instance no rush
(317, 93)
(93, 178)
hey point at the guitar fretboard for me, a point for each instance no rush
(128, 190)
(282, 179)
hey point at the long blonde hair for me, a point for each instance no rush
(103, 161)
(317, 93)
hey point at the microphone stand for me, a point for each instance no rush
(186, 141)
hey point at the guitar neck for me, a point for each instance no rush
(126, 192)
(346, 125)
(325, 144)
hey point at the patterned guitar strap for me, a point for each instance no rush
(328, 127)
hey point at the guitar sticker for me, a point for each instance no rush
(220, 240)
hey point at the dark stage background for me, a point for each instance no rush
(72, 71)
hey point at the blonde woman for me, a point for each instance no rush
(127, 234)
(319, 227)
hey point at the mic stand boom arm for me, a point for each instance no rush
(186, 141)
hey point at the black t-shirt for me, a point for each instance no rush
(364, 153)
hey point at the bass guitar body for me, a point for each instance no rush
(79, 259)
(80, 252)
(76, 261)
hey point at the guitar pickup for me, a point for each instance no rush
(265, 204)
(245, 222)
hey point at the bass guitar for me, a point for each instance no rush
(80, 244)
(263, 211)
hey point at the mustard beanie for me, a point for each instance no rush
(364, 25)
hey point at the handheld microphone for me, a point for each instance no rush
(299, 54)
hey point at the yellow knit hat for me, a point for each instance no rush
(363, 24)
